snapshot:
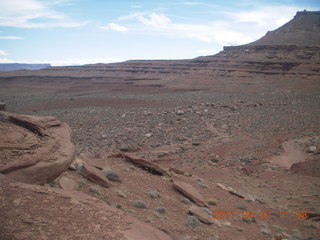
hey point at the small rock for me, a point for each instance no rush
(312, 149)
(247, 159)
(179, 112)
(124, 147)
(76, 164)
(148, 135)
(195, 143)
(121, 194)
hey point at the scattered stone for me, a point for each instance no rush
(179, 112)
(76, 164)
(247, 159)
(190, 192)
(148, 135)
(94, 175)
(68, 184)
(185, 200)
(312, 149)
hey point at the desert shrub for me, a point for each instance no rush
(121, 194)
(111, 175)
(212, 201)
(140, 204)
(193, 221)
(94, 190)
(153, 194)
(161, 209)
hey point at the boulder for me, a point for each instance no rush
(94, 175)
(190, 192)
(68, 184)
(203, 216)
(34, 149)
(37, 212)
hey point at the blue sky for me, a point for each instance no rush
(71, 32)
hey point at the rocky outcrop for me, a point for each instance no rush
(145, 164)
(25, 214)
(34, 149)
(94, 175)
(200, 214)
(190, 192)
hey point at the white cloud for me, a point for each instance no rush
(193, 3)
(155, 20)
(136, 6)
(115, 27)
(3, 53)
(132, 16)
(11, 37)
(22, 13)
(65, 62)
(238, 27)
(267, 16)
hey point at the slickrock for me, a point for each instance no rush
(150, 166)
(190, 192)
(34, 149)
(37, 212)
(94, 175)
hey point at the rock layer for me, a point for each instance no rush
(34, 149)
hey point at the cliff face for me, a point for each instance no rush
(302, 30)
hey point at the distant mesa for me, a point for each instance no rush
(6, 67)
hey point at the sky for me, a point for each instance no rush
(76, 32)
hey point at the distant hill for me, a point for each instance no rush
(6, 67)
(302, 30)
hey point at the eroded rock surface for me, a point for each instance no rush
(34, 149)
(70, 215)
